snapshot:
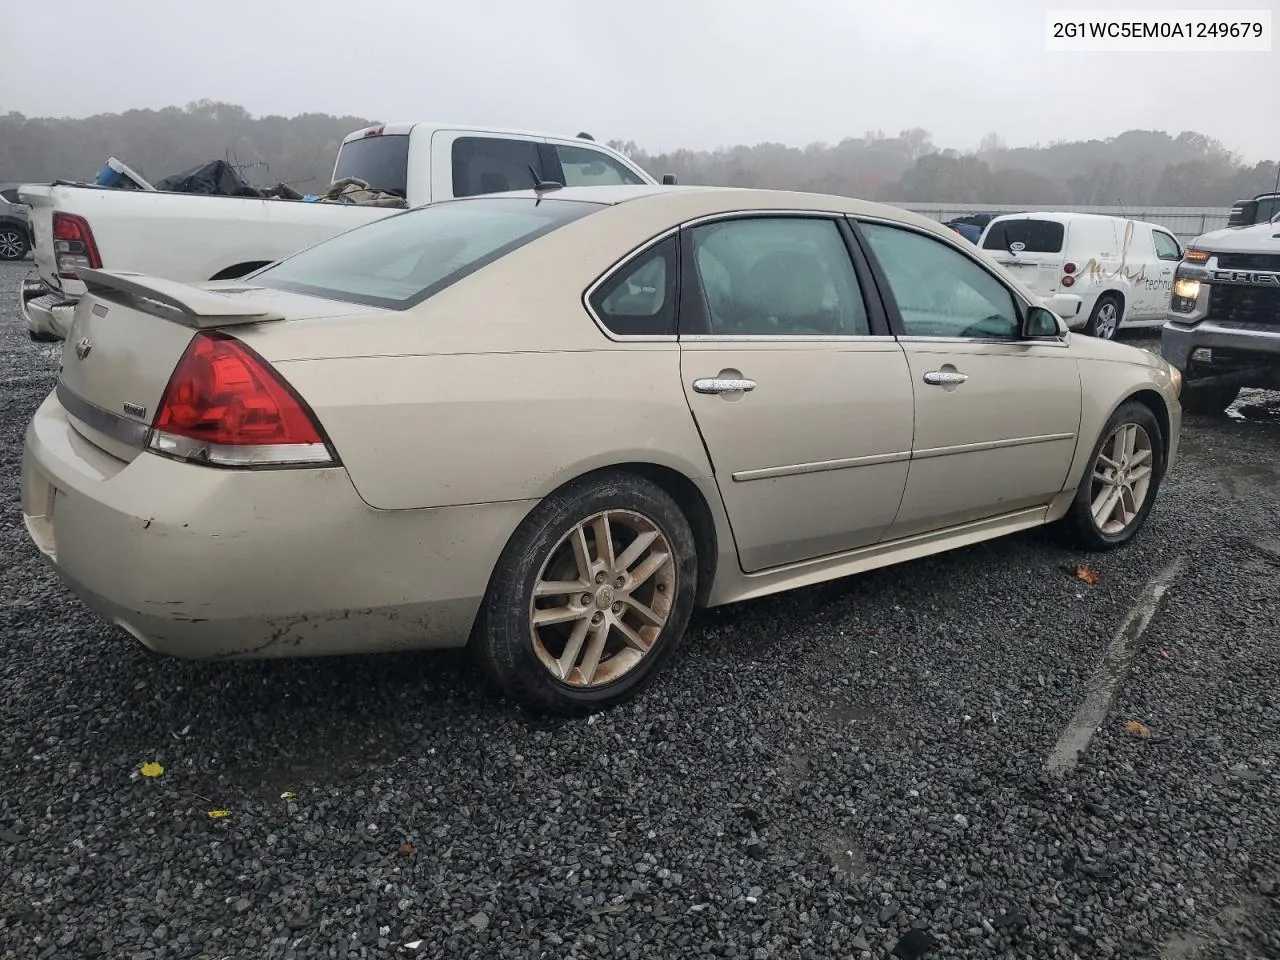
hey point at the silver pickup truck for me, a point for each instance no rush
(1223, 327)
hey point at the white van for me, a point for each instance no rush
(1122, 269)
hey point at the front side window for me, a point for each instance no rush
(404, 259)
(494, 165)
(1166, 247)
(939, 291)
(584, 167)
(778, 276)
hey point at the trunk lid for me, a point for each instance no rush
(40, 199)
(1030, 249)
(128, 335)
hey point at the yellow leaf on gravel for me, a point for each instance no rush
(151, 769)
(219, 814)
(288, 795)
(1138, 729)
(1085, 574)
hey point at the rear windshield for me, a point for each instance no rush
(1036, 236)
(380, 161)
(406, 258)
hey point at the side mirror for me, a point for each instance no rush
(1041, 324)
(1244, 213)
(668, 179)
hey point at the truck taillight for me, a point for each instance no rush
(73, 245)
(225, 406)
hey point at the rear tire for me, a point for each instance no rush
(1113, 468)
(1207, 399)
(14, 243)
(598, 641)
(1105, 319)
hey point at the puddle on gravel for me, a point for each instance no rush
(1245, 480)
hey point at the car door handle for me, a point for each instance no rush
(723, 385)
(944, 378)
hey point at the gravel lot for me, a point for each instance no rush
(840, 772)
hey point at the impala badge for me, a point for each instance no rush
(135, 409)
(83, 348)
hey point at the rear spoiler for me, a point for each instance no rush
(190, 306)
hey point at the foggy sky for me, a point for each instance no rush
(665, 73)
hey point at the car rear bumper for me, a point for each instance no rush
(200, 562)
(46, 312)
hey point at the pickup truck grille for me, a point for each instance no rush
(1243, 304)
(1249, 261)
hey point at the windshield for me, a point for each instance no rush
(406, 258)
(380, 161)
(1036, 236)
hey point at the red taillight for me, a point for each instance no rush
(225, 406)
(1068, 281)
(73, 245)
(1068, 267)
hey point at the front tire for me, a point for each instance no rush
(1105, 319)
(590, 597)
(14, 243)
(1122, 479)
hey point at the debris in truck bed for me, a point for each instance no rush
(217, 178)
(347, 190)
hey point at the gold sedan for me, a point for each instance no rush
(550, 424)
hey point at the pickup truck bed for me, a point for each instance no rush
(194, 238)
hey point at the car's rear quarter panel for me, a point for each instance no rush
(500, 387)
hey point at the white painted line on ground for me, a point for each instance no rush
(1111, 672)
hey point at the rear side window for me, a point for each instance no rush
(584, 167)
(406, 258)
(640, 298)
(1036, 236)
(493, 165)
(381, 161)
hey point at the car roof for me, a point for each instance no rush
(402, 127)
(687, 201)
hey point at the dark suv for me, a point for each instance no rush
(15, 226)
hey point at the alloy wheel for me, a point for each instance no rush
(12, 245)
(1108, 320)
(1122, 477)
(602, 598)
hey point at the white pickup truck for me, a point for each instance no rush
(198, 237)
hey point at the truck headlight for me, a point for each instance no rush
(1185, 293)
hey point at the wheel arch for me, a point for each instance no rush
(1114, 293)
(703, 517)
(1152, 399)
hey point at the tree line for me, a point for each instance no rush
(1147, 167)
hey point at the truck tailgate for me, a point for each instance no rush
(41, 201)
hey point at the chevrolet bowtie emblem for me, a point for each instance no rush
(83, 348)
